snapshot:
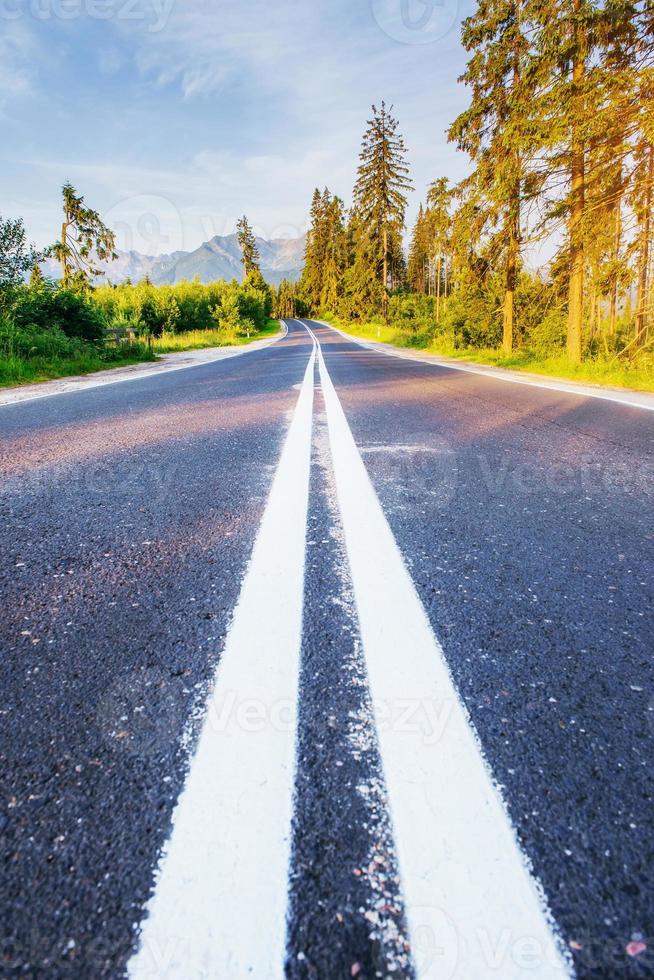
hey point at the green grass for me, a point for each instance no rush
(21, 371)
(199, 339)
(16, 370)
(638, 374)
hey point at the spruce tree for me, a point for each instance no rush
(249, 251)
(380, 192)
(334, 253)
(439, 201)
(324, 253)
(495, 129)
(84, 238)
(311, 281)
(37, 280)
(419, 257)
(566, 39)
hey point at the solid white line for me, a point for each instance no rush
(568, 388)
(89, 382)
(219, 906)
(474, 909)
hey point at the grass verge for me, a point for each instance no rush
(199, 339)
(16, 370)
(637, 375)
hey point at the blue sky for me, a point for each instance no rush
(173, 117)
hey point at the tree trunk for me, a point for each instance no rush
(592, 305)
(617, 242)
(509, 293)
(438, 287)
(385, 278)
(513, 224)
(643, 261)
(65, 267)
(577, 173)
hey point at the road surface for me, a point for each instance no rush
(322, 663)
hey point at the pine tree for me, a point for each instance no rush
(380, 191)
(37, 280)
(324, 253)
(439, 200)
(249, 251)
(419, 253)
(495, 129)
(84, 239)
(311, 281)
(642, 52)
(285, 300)
(644, 201)
(569, 78)
(334, 253)
(361, 287)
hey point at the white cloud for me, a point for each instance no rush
(240, 107)
(18, 50)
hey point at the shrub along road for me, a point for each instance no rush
(424, 597)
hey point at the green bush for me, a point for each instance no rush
(49, 308)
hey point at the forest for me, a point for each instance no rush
(76, 324)
(559, 136)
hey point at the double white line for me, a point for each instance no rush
(219, 906)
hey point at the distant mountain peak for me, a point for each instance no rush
(218, 258)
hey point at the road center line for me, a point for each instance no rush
(219, 905)
(474, 908)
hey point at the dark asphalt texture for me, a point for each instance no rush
(525, 518)
(345, 908)
(128, 514)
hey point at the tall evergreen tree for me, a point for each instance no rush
(84, 239)
(324, 253)
(311, 283)
(249, 251)
(495, 129)
(439, 201)
(334, 253)
(566, 39)
(419, 254)
(285, 300)
(380, 190)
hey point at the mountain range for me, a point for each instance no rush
(219, 258)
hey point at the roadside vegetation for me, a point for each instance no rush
(51, 329)
(168, 343)
(559, 139)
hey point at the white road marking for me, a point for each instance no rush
(475, 910)
(62, 386)
(219, 906)
(496, 374)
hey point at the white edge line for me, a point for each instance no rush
(492, 376)
(466, 881)
(220, 898)
(89, 382)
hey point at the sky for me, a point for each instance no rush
(174, 117)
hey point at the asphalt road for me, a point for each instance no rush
(523, 517)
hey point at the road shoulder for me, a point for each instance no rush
(623, 396)
(133, 372)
